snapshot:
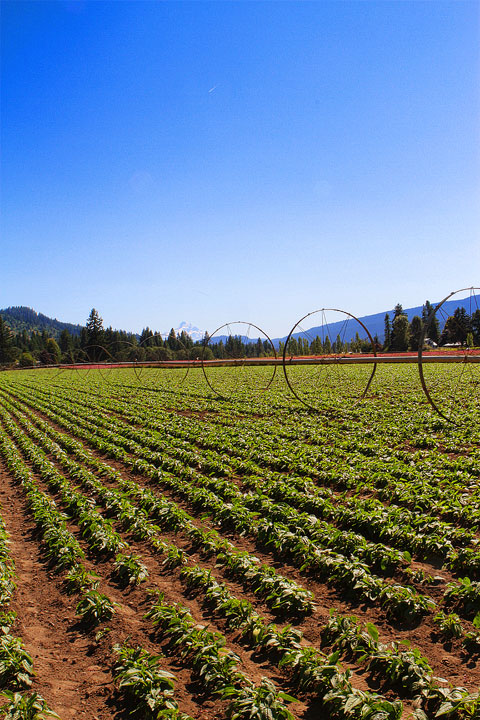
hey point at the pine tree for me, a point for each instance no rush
(476, 327)
(388, 333)
(292, 348)
(172, 340)
(95, 336)
(433, 328)
(145, 336)
(400, 333)
(457, 327)
(416, 329)
(94, 328)
(8, 352)
(65, 342)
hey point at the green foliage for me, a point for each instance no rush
(258, 703)
(22, 706)
(147, 689)
(94, 608)
(449, 625)
(26, 360)
(129, 570)
(16, 665)
(8, 351)
(400, 332)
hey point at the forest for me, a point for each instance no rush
(94, 343)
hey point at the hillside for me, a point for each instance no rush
(24, 318)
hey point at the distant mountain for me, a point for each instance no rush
(191, 330)
(375, 324)
(24, 318)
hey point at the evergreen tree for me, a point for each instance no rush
(416, 330)
(94, 328)
(220, 350)
(355, 343)
(463, 324)
(476, 327)
(53, 350)
(83, 338)
(8, 351)
(186, 340)
(292, 348)
(388, 333)
(234, 347)
(433, 328)
(172, 340)
(457, 327)
(65, 341)
(145, 336)
(400, 333)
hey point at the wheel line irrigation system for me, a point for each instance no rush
(462, 356)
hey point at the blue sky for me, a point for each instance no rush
(219, 161)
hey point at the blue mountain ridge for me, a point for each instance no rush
(375, 324)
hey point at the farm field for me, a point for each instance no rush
(166, 553)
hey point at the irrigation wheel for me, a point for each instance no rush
(234, 381)
(318, 368)
(452, 385)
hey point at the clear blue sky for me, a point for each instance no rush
(219, 161)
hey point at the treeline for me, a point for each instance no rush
(93, 344)
(400, 335)
(97, 344)
(459, 329)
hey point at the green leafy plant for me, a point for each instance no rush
(129, 570)
(449, 625)
(16, 665)
(94, 607)
(146, 687)
(22, 706)
(258, 703)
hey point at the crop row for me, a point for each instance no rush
(208, 656)
(285, 540)
(405, 529)
(269, 632)
(280, 594)
(310, 672)
(238, 561)
(398, 600)
(16, 664)
(350, 462)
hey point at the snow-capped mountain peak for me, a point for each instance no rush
(191, 330)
